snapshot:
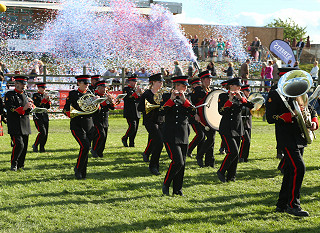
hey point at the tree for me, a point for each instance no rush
(291, 29)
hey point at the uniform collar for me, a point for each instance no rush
(130, 86)
(83, 92)
(98, 93)
(20, 92)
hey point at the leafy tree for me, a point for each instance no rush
(291, 29)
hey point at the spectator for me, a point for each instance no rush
(244, 72)
(300, 46)
(212, 69)
(287, 41)
(289, 63)
(201, 50)
(212, 47)
(229, 71)
(111, 72)
(263, 71)
(177, 69)
(190, 69)
(275, 72)
(206, 49)
(268, 74)
(195, 45)
(296, 64)
(23, 35)
(142, 73)
(315, 72)
(220, 48)
(254, 48)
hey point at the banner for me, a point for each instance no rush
(283, 51)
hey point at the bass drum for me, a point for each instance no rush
(210, 111)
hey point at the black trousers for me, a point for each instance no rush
(198, 139)
(207, 148)
(245, 145)
(19, 150)
(294, 170)
(132, 130)
(177, 153)
(149, 146)
(154, 131)
(99, 139)
(84, 139)
(43, 129)
(230, 162)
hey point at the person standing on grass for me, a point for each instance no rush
(41, 120)
(231, 128)
(176, 109)
(94, 80)
(81, 126)
(18, 107)
(291, 142)
(130, 110)
(153, 122)
(101, 120)
(315, 72)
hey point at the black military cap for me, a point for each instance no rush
(96, 77)
(234, 81)
(180, 79)
(101, 84)
(194, 81)
(43, 85)
(21, 79)
(205, 74)
(83, 78)
(156, 77)
(134, 77)
(245, 88)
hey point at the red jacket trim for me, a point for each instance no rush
(286, 117)
(20, 111)
(135, 95)
(315, 119)
(243, 100)
(228, 104)
(186, 104)
(44, 101)
(169, 103)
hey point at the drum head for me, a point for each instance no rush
(210, 111)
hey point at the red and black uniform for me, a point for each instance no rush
(198, 97)
(291, 142)
(18, 125)
(101, 124)
(81, 128)
(231, 130)
(131, 113)
(3, 117)
(175, 136)
(41, 120)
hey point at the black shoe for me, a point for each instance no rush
(131, 145)
(165, 190)
(232, 179)
(280, 210)
(94, 153)
(297, 212)
(178, 193)
(124, 142)
(189, 155)
(101, 156)
(145, 157)
(280, 156)
(154, 171)
(200, 162)
(241, 160)
(42, 150)
(222, 152)
(14, 168)
(35, 148)
(221, 177)
(78, 174)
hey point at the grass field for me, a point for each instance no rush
(119, 194)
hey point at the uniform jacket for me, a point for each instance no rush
(41, 102)
(92, 88)
(246, 115)
(84, 121)
(100, 117)
(176, 129)
(131, 102)
(288, 133)
(231, 122)
(152, 117)
(17, 119)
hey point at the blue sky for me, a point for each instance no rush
(252, 13)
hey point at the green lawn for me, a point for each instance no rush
(119, 194)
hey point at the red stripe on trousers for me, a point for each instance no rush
(81, 148)
(224, 161)
(241, 151)
(14, 147)
(128, 129)
(148, 146)
(37, 139)
(95, 147)
(195, 137)
(165, 181)
(294, 178)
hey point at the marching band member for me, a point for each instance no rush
(176, 110)
(94, 80)
(148, 150)
(130, 110)
(291, 142)
(18, 107)
(100, 120)
(223, 146)
(81, 126)
(152, 121)
(199, 138)
(247, 124)
(41, 120)
(231, 128)
(198, 98)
